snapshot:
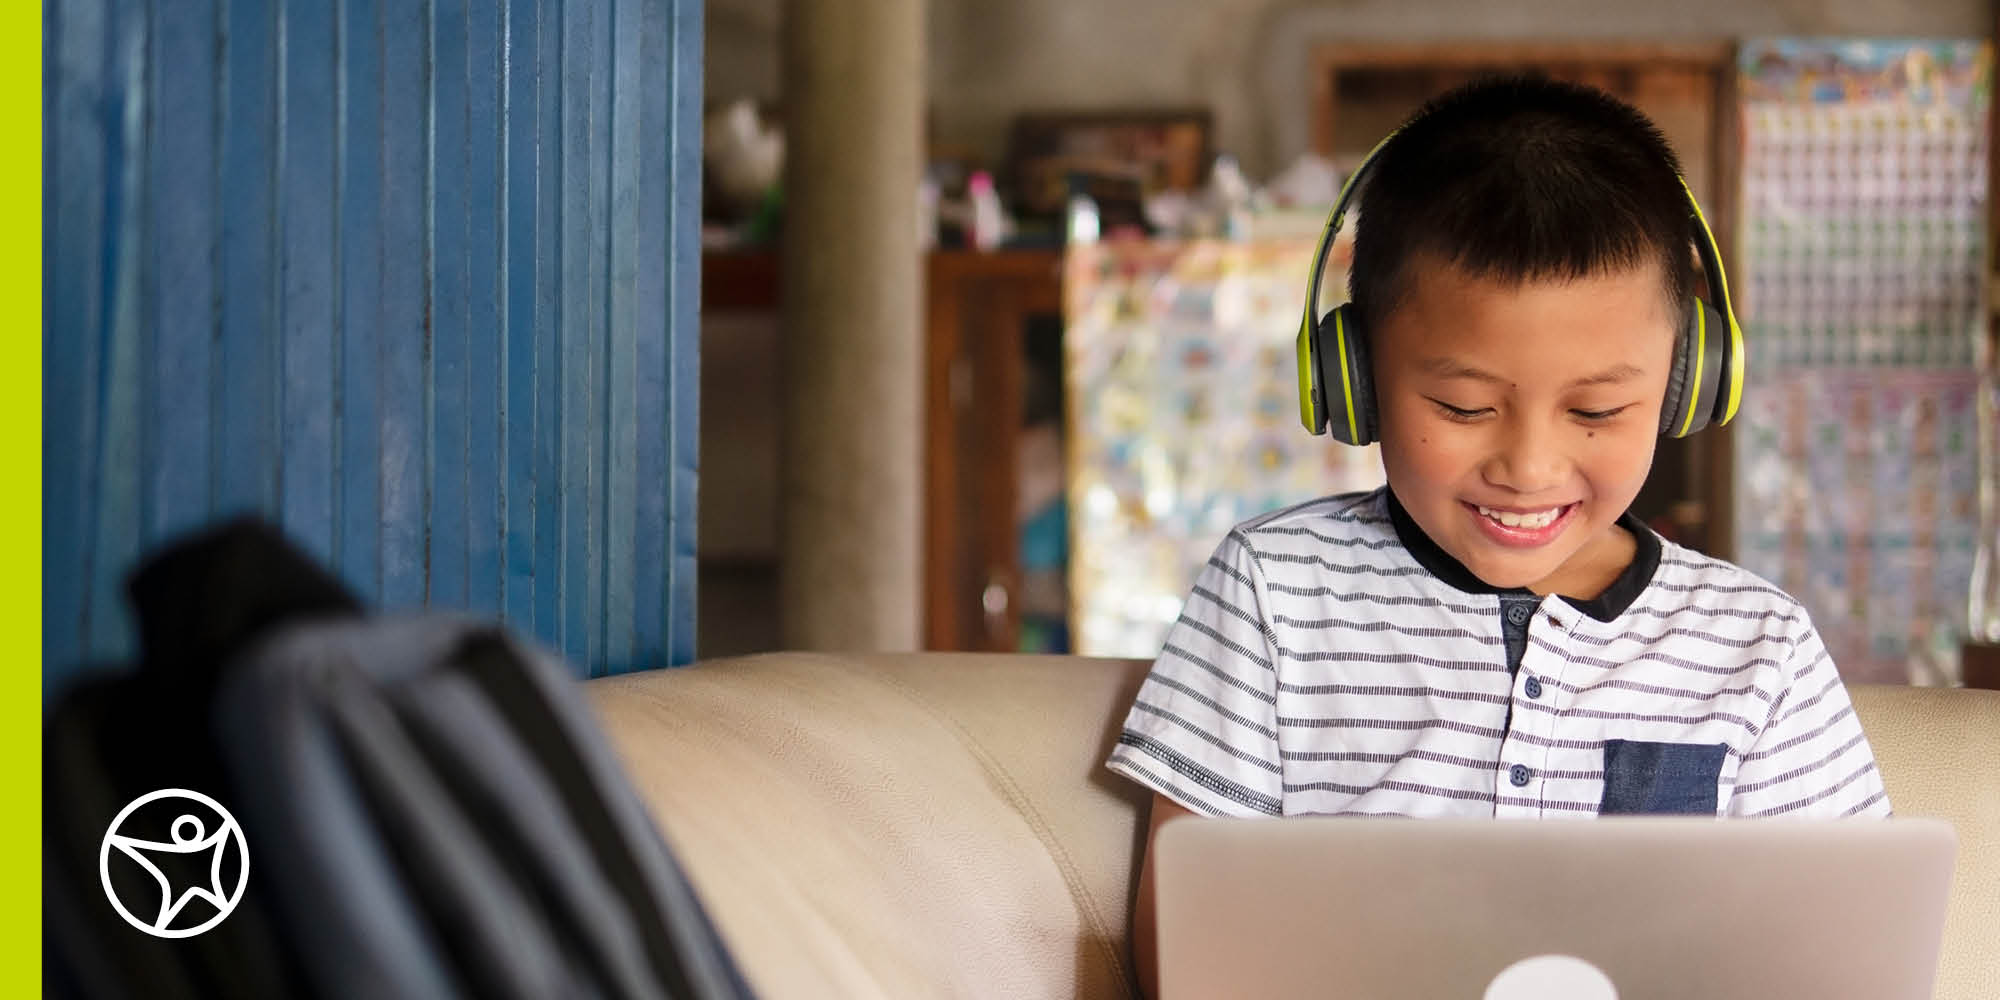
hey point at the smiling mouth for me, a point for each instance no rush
(1523, 520)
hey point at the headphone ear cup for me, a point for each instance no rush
(1341, 350)
(1673, 409)
(1312, 377)
(1695, 383)
(1364, 380)
(1728, 375)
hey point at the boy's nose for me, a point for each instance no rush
(1527, 463)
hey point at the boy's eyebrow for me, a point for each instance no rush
(1450, 368)
(1610, 376)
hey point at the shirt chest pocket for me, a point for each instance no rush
(1644, 777)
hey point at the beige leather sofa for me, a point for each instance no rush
(932, 825)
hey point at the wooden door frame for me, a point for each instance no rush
(1329, 57)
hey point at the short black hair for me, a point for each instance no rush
(1520, 179)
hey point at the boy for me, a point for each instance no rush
(1493, 634)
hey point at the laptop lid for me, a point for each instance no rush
(1655, 906)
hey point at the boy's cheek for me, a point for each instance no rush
(1421, 460)
(1627, 451)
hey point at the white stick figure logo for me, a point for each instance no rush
(189, 837)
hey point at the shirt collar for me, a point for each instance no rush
(1605, 607)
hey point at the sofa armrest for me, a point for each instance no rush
(1939, 752)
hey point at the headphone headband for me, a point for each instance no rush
(1312, 406)
(1718, 280)
(1333, 221)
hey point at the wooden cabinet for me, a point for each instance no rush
(979, 310)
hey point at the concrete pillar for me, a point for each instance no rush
(852, 479)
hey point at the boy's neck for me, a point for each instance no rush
(1593, 569)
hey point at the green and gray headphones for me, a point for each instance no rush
(1337, 390)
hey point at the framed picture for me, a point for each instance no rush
(1137, 153)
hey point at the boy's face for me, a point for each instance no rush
(1537, 405)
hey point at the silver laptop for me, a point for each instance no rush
(1626, 908)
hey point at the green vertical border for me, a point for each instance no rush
(21, 502)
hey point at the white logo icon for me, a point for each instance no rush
(1551, 977)
(191, 837)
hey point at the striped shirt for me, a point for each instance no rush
(1332, 659)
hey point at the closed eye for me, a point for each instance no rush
(1459, 413)
(1599, 416)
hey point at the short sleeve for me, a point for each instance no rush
(1204, 728)
(1812, 759)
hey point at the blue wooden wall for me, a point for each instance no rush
(416, 278)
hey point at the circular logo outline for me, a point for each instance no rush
(170, 906)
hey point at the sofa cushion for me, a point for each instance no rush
(896, 826)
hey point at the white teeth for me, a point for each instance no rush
(1541, 519)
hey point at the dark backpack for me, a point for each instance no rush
(428, 806)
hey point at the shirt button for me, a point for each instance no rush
(1519, 775)
(1534, 687)
(1518, 615)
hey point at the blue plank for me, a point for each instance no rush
(120, 386)
(361, 276)
(405, 323)
(625, 153)
(577, 302)
(72, 235)
(308, 345)
(245, 398)
(550, 194)
(521, 108)
(484, 402)
(591, 432)
(651, 343)
(181, 181)
(682, 222)
(449, 251)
